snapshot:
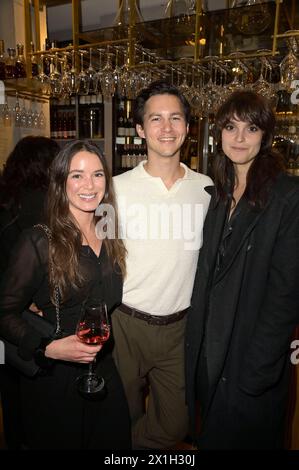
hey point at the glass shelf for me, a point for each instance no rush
(24, 86)
(173, 38)
(224, 31)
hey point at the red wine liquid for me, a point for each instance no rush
(94, 336)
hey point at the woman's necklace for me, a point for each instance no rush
(95, 245)
(85, 238)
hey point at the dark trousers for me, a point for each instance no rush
(152, 354)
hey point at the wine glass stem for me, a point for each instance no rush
(89, 378)
(90, 368)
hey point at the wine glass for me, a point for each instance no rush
(43, 77)
(55, 82)
(93, 329)
(6, 115)
(289, 66)
(17, 111)
(107, 78)
(83, 78)
(91, 75)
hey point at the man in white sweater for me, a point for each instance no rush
(162, 205)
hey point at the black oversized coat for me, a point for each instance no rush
(247, 312)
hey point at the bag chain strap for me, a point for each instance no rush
(58, 330)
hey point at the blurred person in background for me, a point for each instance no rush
(23, 185)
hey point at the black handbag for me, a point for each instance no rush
(11, 354)
(47, 330)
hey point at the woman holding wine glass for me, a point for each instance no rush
(71, 266)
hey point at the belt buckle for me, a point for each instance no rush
(151, 320)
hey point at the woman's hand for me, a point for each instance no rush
(33, 308)
(71, 349)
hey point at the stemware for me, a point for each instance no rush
(93, 329)
(196, 96)
(23, 115)
(289, 66)
(98, 75)
(266, 87)
(184, 87)
(237, 69)
(144, 76)
(42, 77)
(210, 90)
(107, 78)
(55, 82)
(70, 78)
(83, 79)
(6, 115)
(35, 117)
(125, 11)
(117, 70)
(41, 120)
(17, 111)
(29, 121)
(92, 77)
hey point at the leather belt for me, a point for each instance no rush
(153, 319)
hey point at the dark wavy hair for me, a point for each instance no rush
(27, 167)
(66, 235)
(159, 87)
(253, 108)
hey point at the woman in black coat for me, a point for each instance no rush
(245, 303)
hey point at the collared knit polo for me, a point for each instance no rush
(162, 231)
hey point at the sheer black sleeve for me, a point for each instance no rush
(22, 279)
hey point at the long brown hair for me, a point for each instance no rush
(249, 107)
(66, 236)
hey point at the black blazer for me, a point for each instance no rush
(253, 301)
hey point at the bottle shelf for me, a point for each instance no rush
(74, 119)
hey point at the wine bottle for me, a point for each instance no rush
(20, 62)
(120, 121)
(54, 134)
(2, 60)
(132, 131)
(34, 63)
(10, 63)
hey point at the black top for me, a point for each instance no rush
(26, 281)
(228, 228)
